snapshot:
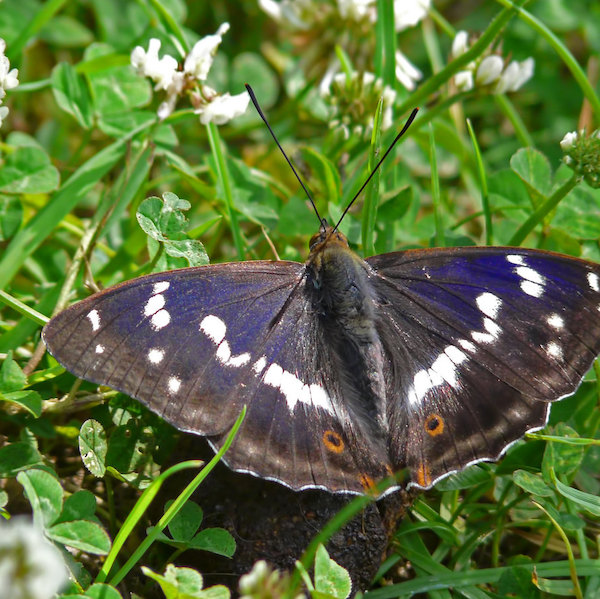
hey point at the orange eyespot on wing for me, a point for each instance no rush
(434, 425)
(333, 441)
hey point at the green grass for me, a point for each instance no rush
(82, 150)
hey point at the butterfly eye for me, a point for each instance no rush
(316, 238)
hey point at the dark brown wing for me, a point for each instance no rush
(478, 341)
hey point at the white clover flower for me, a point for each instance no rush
(287, 12)
(139, 56)
(568, 141)
(318, 18)
(460, 44)
(527, 68)
(515, 75)
(160, 70)
(249, 582)
(356, 9)
(223, 108)
(340, 79)
(8, 77)
(406, 72)
(353, 100)
(30, 566)
(175, 82)
(369, 78)
(464, 81)
(582, 155)
(200, 59)
(408, 13)
(325, 83)
(174, 90)
(489, 70)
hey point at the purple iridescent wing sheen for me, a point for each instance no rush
(195, 345)
(479, 340)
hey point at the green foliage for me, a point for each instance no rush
(163, 221)
(91, 192)
(72, 524)
(185, 583)
(184, 532)
(93, 447)
(331, 581)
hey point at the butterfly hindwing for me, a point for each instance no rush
(306, 437)
(479, 340)
(197, 344)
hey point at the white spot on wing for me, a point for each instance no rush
(319, 398)
(99, 349)
(294, 390)
(273, 375)
(156, 355)
(421, 384)
(532, 289)
(259, 365)
(555, 321)
(239, 360)
(493, 332)
(223, 352)
(160, 320)
(174, 384)
(443, 370)
(593, 281)
(533, 281)
(457, 356)
(154, 304)
(160, 287)
(516, 259)
(291, 386)
(529, 274)
(214, 328)
(554, 350)
(444, 367)
(465, 344)
(94, 317)
(489, 304)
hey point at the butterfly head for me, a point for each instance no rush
(327, 236)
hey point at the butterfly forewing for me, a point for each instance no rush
(479, 339)
(195, 345)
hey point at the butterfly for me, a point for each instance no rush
(352, 370)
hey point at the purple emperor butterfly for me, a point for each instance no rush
(351, 369)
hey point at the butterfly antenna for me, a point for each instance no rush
(408, 123)
(264, 118)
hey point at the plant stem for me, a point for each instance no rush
(225, 180)
(515, 119)
(542, 211)
(485, 204)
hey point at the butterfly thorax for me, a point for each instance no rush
(343, 298)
